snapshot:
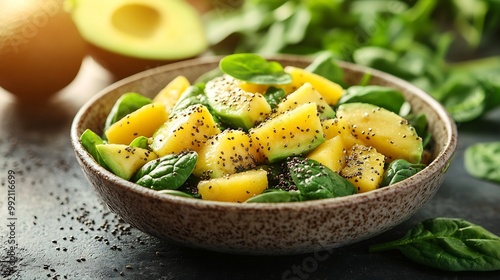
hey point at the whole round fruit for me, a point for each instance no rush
(41, 51)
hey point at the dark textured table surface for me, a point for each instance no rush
(63, 230)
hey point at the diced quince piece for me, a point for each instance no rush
(294, 132)
(187, 130)
(364, 168)
(331, 154)
(306, 94)
(226, 153)
(237, 187)
(142, 122)
(169, 95)
(253, 88)
(330, 91)
(389, 133)
(338, 127)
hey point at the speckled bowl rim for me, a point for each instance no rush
(439, 164)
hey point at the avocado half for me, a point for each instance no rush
(129, 36)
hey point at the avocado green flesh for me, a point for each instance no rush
(234, 106)
(292, 133)
(123, 160)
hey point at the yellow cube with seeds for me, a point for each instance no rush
(226, 153)
(142, 122)
(169, 95)
(237, 187)
(364, 168)
(187, 130)
(386, 131)
(331, 154)
(330, 91)
(339, 127)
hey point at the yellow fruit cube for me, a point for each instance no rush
(330, 91)
(389, 133)
(169, 95)
(306, 94)
(331, 154)
(339, 127)
(187, 130)
(291, 133)
(364, 168)
(142, 122)
(226, 153)
(253, 88)
(237, 187)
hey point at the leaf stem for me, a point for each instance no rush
(391, 245)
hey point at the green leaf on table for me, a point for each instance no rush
(482, 160)
(289, 26)
(448, 244)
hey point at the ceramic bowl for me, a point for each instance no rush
(263, 229)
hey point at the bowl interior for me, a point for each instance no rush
(391, 205)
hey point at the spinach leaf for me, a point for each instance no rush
(326, 66)
(167, 172)
(316, 181)
(89, 140)
(379, 58)
(482, 160)
(274, 96)
(194, 94)
(381, 96)
(400, 169)
(126, 104)
(463, 97)
(448, 244)
(278, 176)
(404, 38)
(255, 69)
(276, 196)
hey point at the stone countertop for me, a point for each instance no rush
(63, 230)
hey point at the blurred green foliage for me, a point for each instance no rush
(446, 47)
